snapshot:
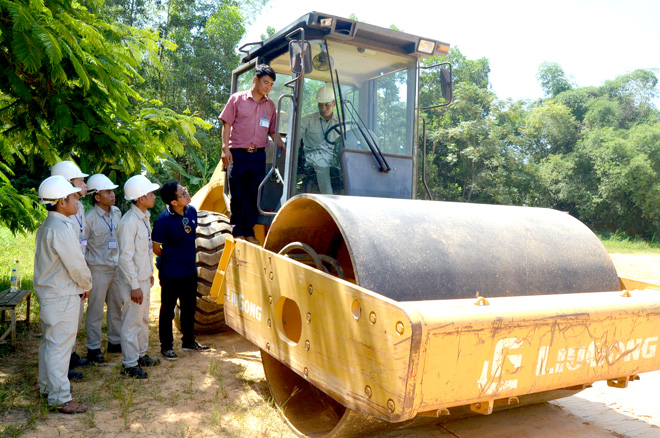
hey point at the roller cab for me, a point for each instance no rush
(443, 309)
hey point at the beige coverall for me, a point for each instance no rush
(136, 268)
(102, 257)
(61, 276)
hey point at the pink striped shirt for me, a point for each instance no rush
(244, 115)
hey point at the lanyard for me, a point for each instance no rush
(327, 125)
(148, 230)
(79, 223)
(106, 222)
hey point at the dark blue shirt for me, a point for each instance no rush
(178, 257)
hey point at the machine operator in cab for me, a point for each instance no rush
(318, 141)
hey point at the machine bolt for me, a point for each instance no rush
(306, 372)
(270, 299)
(309, 318)
(269, 323)
(310, 289)
(399, 327)
(372, 318)
(268, 346)
(367, 390)
(390, 405)
(307, 345)
(271, 275)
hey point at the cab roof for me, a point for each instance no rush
(317, 25)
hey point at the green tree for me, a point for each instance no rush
(196, 60)
(611, 180)
(475, 146)
(65, 90)
(552, 78)
(551, 128)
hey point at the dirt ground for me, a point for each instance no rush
(223, 393)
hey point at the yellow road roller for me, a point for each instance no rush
(375, 310)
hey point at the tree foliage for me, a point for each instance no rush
(552, 78)
(591, 151)
(67, 90)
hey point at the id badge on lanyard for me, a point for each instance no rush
(264, 122)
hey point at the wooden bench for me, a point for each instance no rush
(8, 301)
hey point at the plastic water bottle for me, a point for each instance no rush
(15, 278)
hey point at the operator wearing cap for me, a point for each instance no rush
(319, 152)
(102, 257)
(72, 173)
(61, 281)
(137, 272)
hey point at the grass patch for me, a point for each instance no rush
(620, 242)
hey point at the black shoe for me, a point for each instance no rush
(135, 372)
(195, 346)
(95, 356)
(113, 348)
(75, 376)
(169, 354)
(76, 361)
(146, 361)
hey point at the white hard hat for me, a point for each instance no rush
(325, 94)
(137, 186)
(68, 170)
(100, 182)
(54, 188)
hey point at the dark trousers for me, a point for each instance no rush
(173, 289)
(245, 174)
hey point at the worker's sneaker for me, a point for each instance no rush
(95, 356)
(253, 239)
(135, 372)
(76, 361)
(146, 361)
(72, 407)
(113, 348)
(195, 347)
(75, 376)
(169, 354)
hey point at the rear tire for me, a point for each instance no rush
(212, 230)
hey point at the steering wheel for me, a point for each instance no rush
(337, 131)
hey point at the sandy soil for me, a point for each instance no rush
(223, 393)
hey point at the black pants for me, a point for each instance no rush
(245, 174)
(173, 289)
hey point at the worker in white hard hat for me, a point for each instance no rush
(61, 281)
(319, 140)
(72, 173)
(102, 257)
(137, 276)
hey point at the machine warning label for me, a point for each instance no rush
(243, 304)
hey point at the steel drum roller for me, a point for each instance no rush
(410, 250)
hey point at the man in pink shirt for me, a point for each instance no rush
(248, 119)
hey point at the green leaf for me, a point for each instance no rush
(27, 52)
(49, 43)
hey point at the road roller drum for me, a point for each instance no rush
(441, 310)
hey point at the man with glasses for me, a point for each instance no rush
(317, 140)
(174, 243)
